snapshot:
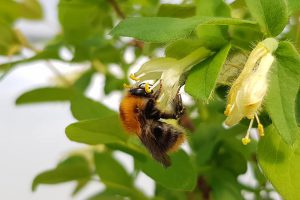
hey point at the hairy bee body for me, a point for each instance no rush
(128, 113)
(139, 115)
(161, 138)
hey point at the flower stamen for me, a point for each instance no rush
(260, 127)
(155, 84)
(261, 130)
(147, 88)
(126, 86)
(246, 140)
(136, 78)
(228, 110)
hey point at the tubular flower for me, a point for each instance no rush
(249, 89)
(167, 73)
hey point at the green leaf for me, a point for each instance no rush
(111, 171)
(161, 193)
(9, 42)
(12, 10)
(104, 130)
(107, 52)
(73, 168)
(79, 186)
(50, 51)
(96, 48)
(31, 9)
(225, 185)
(229, 156)
(165, 29)
(115, 177)
(243, 37)
(176, 10)
(82, 19)
(182, 48)
(205, 141)
(283, 89)
(104, 196)
(179, 176)
(212, 36)
(85, 108)
(298, 108)
(212, 8)
(293, 5)
(42, 95)
(271, 15)
(112, 83)
(119, 192)
(202, 79)
(280, 163)
(237, 149)
(214, 144)
(136, 151)
(145, 7)
(83, 81)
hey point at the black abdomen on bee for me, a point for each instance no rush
(161, 138)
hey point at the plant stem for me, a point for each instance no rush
(194, 58)
(57, 73)
(122, 15)
(117, 9)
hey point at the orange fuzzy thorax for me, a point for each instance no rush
(128, 113)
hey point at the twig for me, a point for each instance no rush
(204, 188)
(50, 65)
(57, 73)
(137, 43)
(122, 15)
(117, 9)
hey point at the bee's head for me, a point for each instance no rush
(140, 91)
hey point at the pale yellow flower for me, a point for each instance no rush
(249, 89)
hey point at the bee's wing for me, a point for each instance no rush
(158, 151)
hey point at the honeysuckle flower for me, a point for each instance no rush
(249, 89)
(168, 73)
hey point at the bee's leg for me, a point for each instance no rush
(157, 93)
(179, 109)
(168, 115)
(151, 112)
(184, 119)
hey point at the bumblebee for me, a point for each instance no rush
(139, 115)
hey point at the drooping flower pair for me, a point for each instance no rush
(249, 89)
(168, 73)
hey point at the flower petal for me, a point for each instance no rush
(156, 65)
(234, 117)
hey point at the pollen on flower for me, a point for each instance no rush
(261, 130)
(147, 88)
(228, 110)
(126, 85)
(133, 77)
(246, 140)
(168, 75)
